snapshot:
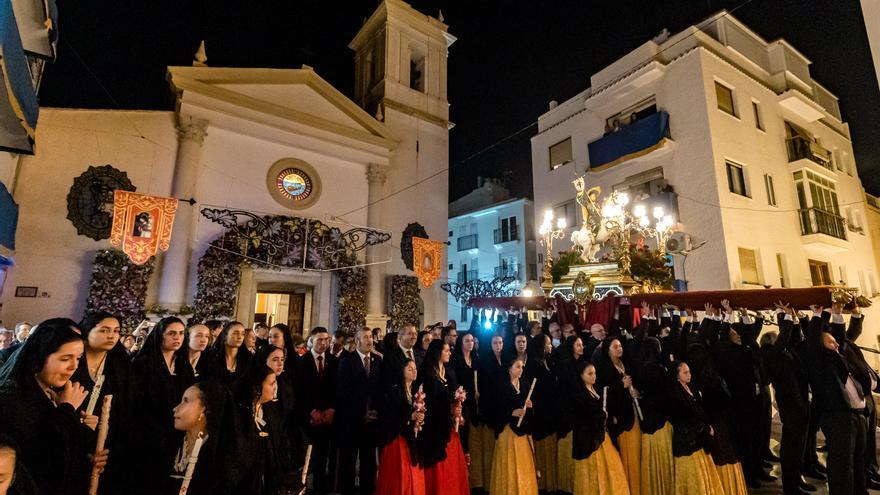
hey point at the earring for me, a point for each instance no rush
(201, 417)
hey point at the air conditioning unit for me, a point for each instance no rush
(678, 242)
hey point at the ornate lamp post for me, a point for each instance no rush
(548, 233)
(660, 231)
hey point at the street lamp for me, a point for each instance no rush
(660, 230)
(548, 233)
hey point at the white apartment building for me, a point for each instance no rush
(491, 236)
(731, 133)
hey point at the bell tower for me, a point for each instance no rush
(400, 79)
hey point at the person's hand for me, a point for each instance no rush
(634, 392)
(89, 420)
(646, 309)
(456, 410)
(72, 393)
(418, 417)
(837, 308)
(627, 381)
(529, 404)
(817, 310)
(467, 459)
(711, 431)
(725, 303)
(518, 413)
(709, 309)
(99, 460)
(315, 417)
(856, 310)
(328, 415)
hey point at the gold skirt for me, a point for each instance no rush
(657, 474)
(732, 479)
(696, 475)
(481, 444)
(630, 443)
(545, 463)
(602, 473)
(513, 465)
(565, 465)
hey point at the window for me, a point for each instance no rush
(417, 73)
(508, 231)
(748, 266)
(842, 272)
(736, 180)
(725, 98)
(567, 211)
(780, 266)
(757, 110)
(819, 273)
(771, 193)
(450, 233)
(560, 154)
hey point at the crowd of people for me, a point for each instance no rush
(659, 401)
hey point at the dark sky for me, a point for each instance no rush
(510, 60)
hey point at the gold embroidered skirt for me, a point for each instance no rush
(481, 444)
(602, 473)
(513, 465)
(545, 463)
(696, 475)
(658, 470)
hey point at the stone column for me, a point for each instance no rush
(376, 316)
(175, 282)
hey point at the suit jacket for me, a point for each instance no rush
(787, 372)
(392, 365)
(827, 369)
(312, 390)
(356, 392)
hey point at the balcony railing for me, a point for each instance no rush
(800, 148)
(507, 271)
(630, 141)
(467, 275)
(505, 235)
(817, 221)
(467, 242)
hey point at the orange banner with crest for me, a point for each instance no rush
(141, 224)
(427, 259)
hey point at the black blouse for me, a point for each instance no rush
(588, 428)
(395, 419)
(620, 406)
(690, 424)
(509, 399)
(435, 433)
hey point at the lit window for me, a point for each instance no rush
(748, 265)
(560, 154)
(725, 98)
(736, 181)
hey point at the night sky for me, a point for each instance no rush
(510, 60)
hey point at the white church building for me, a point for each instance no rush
(373, 166)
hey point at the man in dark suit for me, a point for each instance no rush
(316, 402)
(392, 365)
(358, 391)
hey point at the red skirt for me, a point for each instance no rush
(449, 477)
(396, 474)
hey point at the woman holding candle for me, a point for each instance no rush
(614, 372)
(231, 355)
(568, 356)
(157, 382)
(38, 403)
(546, 399)
(400, 471)
(695, 472)
(464, 364)
(513, 465)
(105, 370)
(206, 416)
(195, 362)
(266, 461)
(598, 468)
(445, 466)
(652, 381)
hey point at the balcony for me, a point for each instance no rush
(503, 235)
(631, 141)
(507, 271)
(800, 148)
(467, 275)
(467, 242)
(823, 228)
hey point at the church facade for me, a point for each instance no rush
(262, 149)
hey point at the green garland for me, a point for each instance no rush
(352, 309)
(119, 286)
(219, 277)
(405, 301)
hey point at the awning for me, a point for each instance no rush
(629, 142)
(18, 100)
(8, 218)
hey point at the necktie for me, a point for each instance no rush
(409, 355)
(367, 364)
(320, 365)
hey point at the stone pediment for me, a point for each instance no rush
(299, 96)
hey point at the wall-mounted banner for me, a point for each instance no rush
(141, 224)
(427, 259)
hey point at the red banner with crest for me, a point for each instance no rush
(141, 224)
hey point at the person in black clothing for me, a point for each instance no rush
(651, 380)
(206, 411)
(568, 355)
(14, 477)
(396, 354)
(841, 404)
(546, 398)
(230, 353)
(315, 407)
(279, 336)
(513, 466)
(358, 391)
(265, 452)
(157, 383)
(38, 405)
(464, 364)
(195, 357)
(399, 463)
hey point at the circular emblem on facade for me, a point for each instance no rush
(293, 183)
(90, 200)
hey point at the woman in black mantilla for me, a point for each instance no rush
(598, 469)
(464, 364)
(265, 451)
(194, 356)
(652, 381)
(400, 469)
(107, 361)
(38, 405)
(205, 411)
(615, 372)
(490, 370)
(546, 399)
(695, 472)
(157, 382)
(445, 467)
(568, 355)
(14, 477)
(230, 353)
(513, 465)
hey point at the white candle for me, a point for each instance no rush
(103, 427)
(306, 465)
(191, 464)
(528, 398)
(96, 392)
(605, 399)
